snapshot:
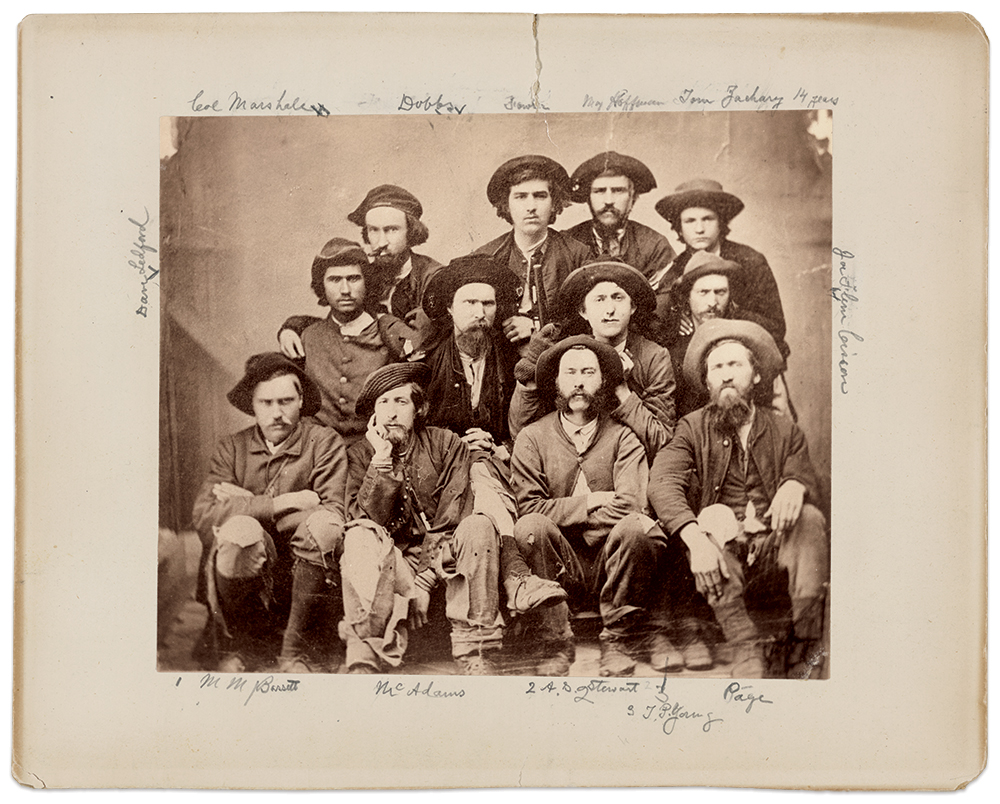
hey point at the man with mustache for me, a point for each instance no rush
(342, 350)
(469, 392)
(389, 217)
(414, 528)
(609, 184)
(736, 486)
(702, 293)
(529, 192)
(580, 478)
(271, 518)
(612, 302)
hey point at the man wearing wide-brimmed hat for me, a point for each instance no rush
(609, 184)
(341, 350)
(737, 487)
(414, 528)
(529, 192)
(702, 293)
(580, 477)
(700, 212)
(271, 516)
(613, 303)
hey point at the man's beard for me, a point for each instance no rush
(729, 412)
(399, 437)
(390, 262)
(609, 231)
(473, 341)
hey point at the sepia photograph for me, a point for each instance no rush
(370, 448)
(517, 400)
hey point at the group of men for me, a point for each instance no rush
(556, 423)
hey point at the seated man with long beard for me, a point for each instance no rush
(737, 487)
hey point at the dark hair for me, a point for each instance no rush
(560, 199)
(675, 223)
(319, 268)
(416, 231)
(763, 392)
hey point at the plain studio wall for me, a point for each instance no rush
(246, 203)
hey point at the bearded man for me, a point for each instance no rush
(610, 183)
(414, 528)
(469, 392)
(580, 478)
(736, 486)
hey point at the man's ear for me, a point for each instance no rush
(756, 378)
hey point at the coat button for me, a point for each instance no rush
(725, 442)
(342, 401)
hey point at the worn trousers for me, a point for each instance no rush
(379, 583)
(250, 576)
(622, 572)
(803, 552)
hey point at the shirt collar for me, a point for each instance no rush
(357, 326)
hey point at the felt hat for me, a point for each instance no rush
(615, 164)
(704, 264)
(581, 281)
(258, 369)
(464, 271)
(387, 195)
(385, 379)
(704, 193)
(757, 339)
(547, 367)
(499, 185)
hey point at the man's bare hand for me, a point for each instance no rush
(227, 491)
(296, 501)
(477, 438)
(378, 437)
(786, 506)
(708, 564)
(419, 604)
(291, 344)
(518, 328)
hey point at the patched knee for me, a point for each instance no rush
(241, 548)
(359, 538)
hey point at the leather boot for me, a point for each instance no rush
(741, 634)
(309, 591)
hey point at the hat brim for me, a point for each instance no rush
(498, 188)
(548, 363)
(241, 395)
(617, 164)
(383, 380)
(750, 334)
(441, 289)
(581, 281)
(727, 206)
